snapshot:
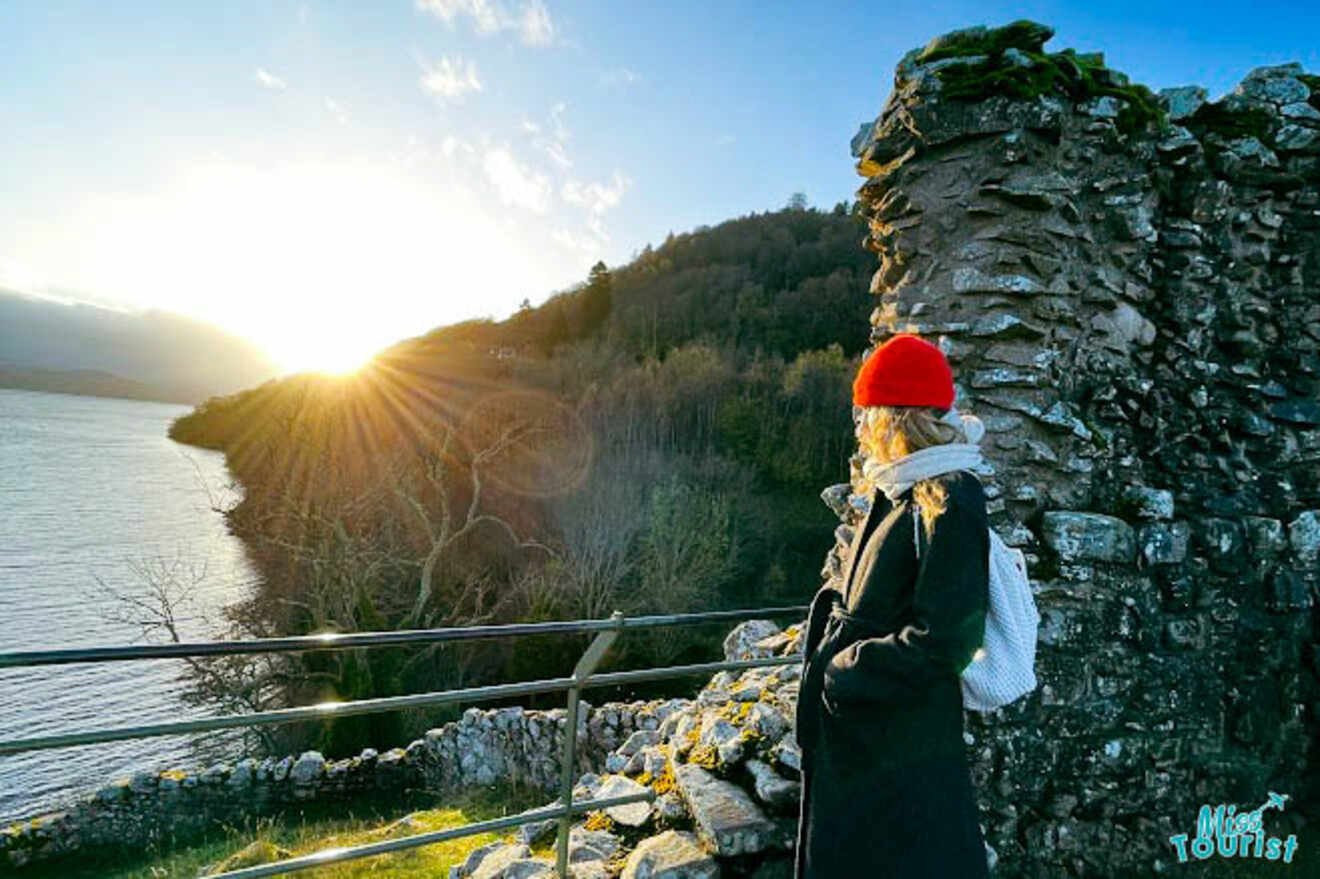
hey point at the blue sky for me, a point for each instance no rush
(325, 177)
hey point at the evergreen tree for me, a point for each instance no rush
(596, 298)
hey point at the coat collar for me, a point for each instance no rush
(878, 499)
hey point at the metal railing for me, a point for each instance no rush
(584, 675)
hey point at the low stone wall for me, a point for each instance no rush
(483, 747)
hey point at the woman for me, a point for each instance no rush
(886, 790)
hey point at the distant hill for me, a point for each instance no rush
(153, 355)
(87, 382)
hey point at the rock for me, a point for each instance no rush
(628, 814)
(1149, 503)
(1305, 412)
(836, 498)
(670, 806)
(1272, 84)
(859, 140)
(1222, 540)
(473, 860)
(1079, 536)
(1288, 591)
(1164, 543)
(638, 740)
(591, 845)
(971, 280)
(1180, 142)
(727, 819)
(770, 788)
(527, 868)
(787, 753)
(494, 860)
(768, 722)
(741, 642)
(1124, 326)
(1265, 536)
(673, 854)
(1182, 101)
(1061, 415)
(1103, 106)
(309, 768)
(1304, 537)
(1252, 151)
(723, 736)
(531, 834)
(1297, 138)
(1300, 110)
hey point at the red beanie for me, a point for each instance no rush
(905, 371)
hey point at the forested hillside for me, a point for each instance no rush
(653, 440)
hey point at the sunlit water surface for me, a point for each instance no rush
(92, 488)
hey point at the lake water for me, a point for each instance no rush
(92, 489)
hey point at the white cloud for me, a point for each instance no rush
(269, 80)
(551, 138)
(555, 151)
(451, 78)
(336, 109)
(597, 198)
(532, 21)
(535, 26)
(619, 76)
(452, 144)
(517, 184)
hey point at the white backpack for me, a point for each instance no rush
(1003, 669)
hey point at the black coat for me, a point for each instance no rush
(886, 790)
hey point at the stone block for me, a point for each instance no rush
(727, 819)
(1078, 536)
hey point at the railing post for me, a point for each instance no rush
(581, 672)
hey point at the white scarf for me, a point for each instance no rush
(899, 475)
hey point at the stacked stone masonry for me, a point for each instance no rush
(1134, 312)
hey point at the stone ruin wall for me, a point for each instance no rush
(1136, 318)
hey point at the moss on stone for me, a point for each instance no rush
(736, 712)
(1078, 76)
(1228, 123)
(704, 756)
(1021, 34)
(753, 739)
(598, 820)
(664, 782)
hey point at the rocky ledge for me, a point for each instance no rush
(724, 767)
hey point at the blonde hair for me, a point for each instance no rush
(885, 433)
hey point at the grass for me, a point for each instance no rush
(311, 829)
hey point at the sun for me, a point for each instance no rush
(312, 350)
